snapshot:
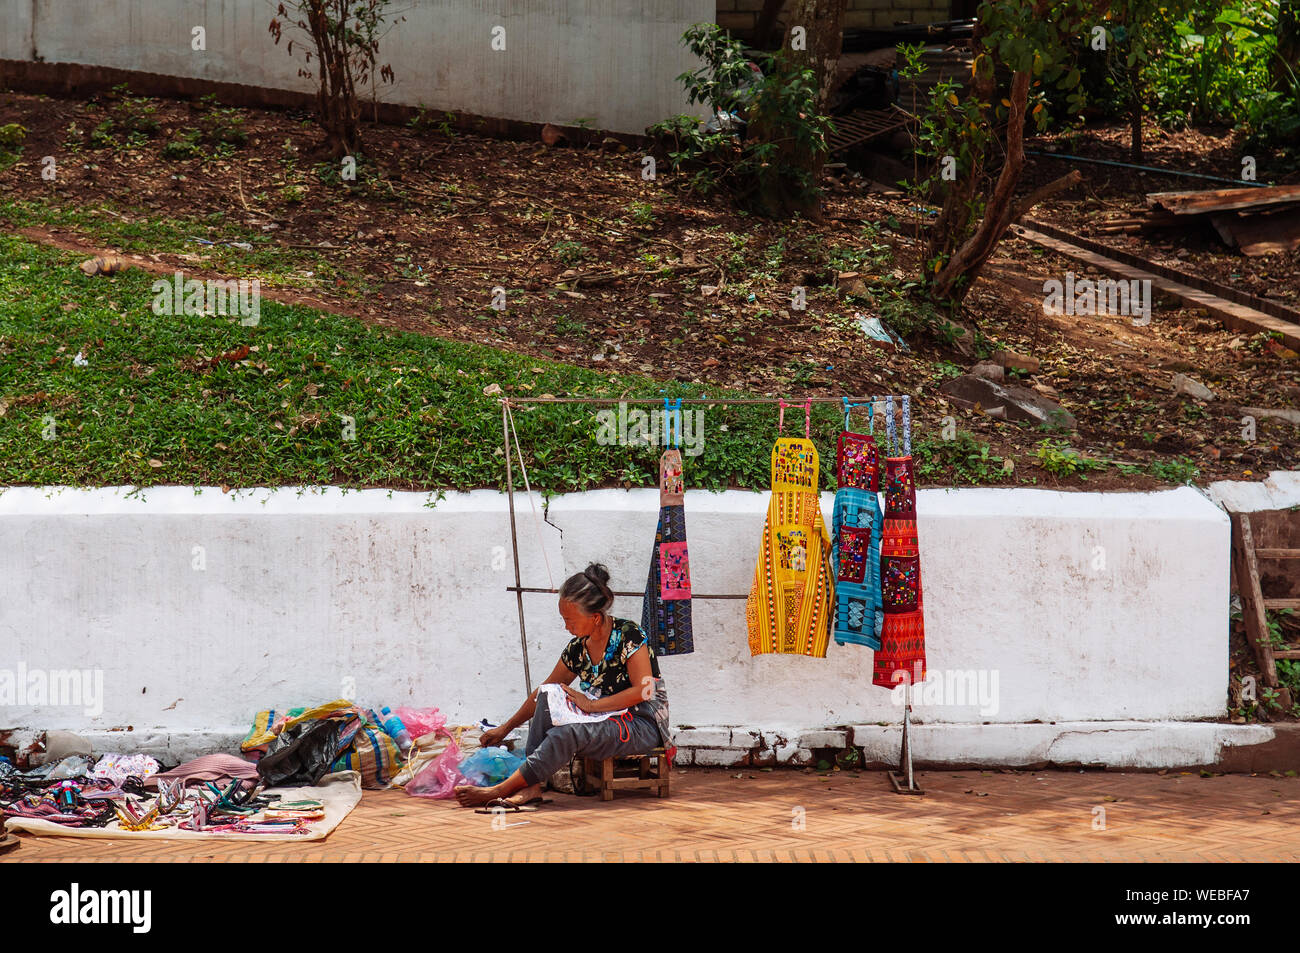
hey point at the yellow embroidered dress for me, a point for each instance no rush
(791, 598)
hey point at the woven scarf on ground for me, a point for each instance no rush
(902, 637)
(666, 609)
(855, 553)
(790, 599)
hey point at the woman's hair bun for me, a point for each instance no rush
(589, 589)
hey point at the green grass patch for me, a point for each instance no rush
(148, 233)
(150, 408)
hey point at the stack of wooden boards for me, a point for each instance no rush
(1259, 221)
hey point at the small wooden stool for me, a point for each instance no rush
(610, 774)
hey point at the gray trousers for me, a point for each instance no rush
(551, 747)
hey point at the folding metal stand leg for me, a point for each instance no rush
(902, 779)
(514, 543)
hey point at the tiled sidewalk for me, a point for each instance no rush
(750, 815)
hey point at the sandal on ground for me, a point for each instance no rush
(500, 803)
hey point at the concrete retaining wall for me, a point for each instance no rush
(1280, 491)
(197, 608)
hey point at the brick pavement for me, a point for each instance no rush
(747, 815)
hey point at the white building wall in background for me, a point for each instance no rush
(614, 62)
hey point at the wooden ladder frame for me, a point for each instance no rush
(1245, 565)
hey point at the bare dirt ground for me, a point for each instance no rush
(607, 270)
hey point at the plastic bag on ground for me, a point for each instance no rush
(421, 721)
(490, 765)
(439, 778)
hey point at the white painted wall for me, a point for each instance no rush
(612, 61)
(1088, 607)
(16, 36)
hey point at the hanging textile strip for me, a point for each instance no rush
(666, 608)
(902, 653)
(856, 529)
(790, 599)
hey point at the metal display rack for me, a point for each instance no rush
(902, 780)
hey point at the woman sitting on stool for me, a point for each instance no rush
(614, 661)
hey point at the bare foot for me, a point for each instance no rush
(470, 796)
(526, 795)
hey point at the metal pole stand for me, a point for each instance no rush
(902, 779)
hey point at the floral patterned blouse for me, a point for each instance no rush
(610, 675)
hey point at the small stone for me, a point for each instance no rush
(1017, 362)
(1006, 401)
(1192, 387)
(988, 370)
(1285, 413)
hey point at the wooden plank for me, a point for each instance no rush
(1227, 292)
(1236, 316)
(862, 125)
(1276, 529)
(1281, 603)
(1221, 200)
(1252, 599)
(1277, 554)
(1287, 653)
(1265, 233)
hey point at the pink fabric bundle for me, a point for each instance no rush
(210, 767)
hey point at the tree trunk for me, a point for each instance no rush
(766, 22)
(954, 279)
(1135, 111)
(1286, 66)
(823, 25)
(969, 259)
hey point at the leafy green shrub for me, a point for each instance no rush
(224, 126)
(962, 459)
(185, 145)
(1059, 458)
(11, 137)
(569, 252)
(643, 213)
(1288, 674)
(135, 114)
(101, 137)
(1178, 470)
(1198, 63)
(779, 105)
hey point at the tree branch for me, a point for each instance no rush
(1043, 191)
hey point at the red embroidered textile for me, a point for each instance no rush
(901, 655)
